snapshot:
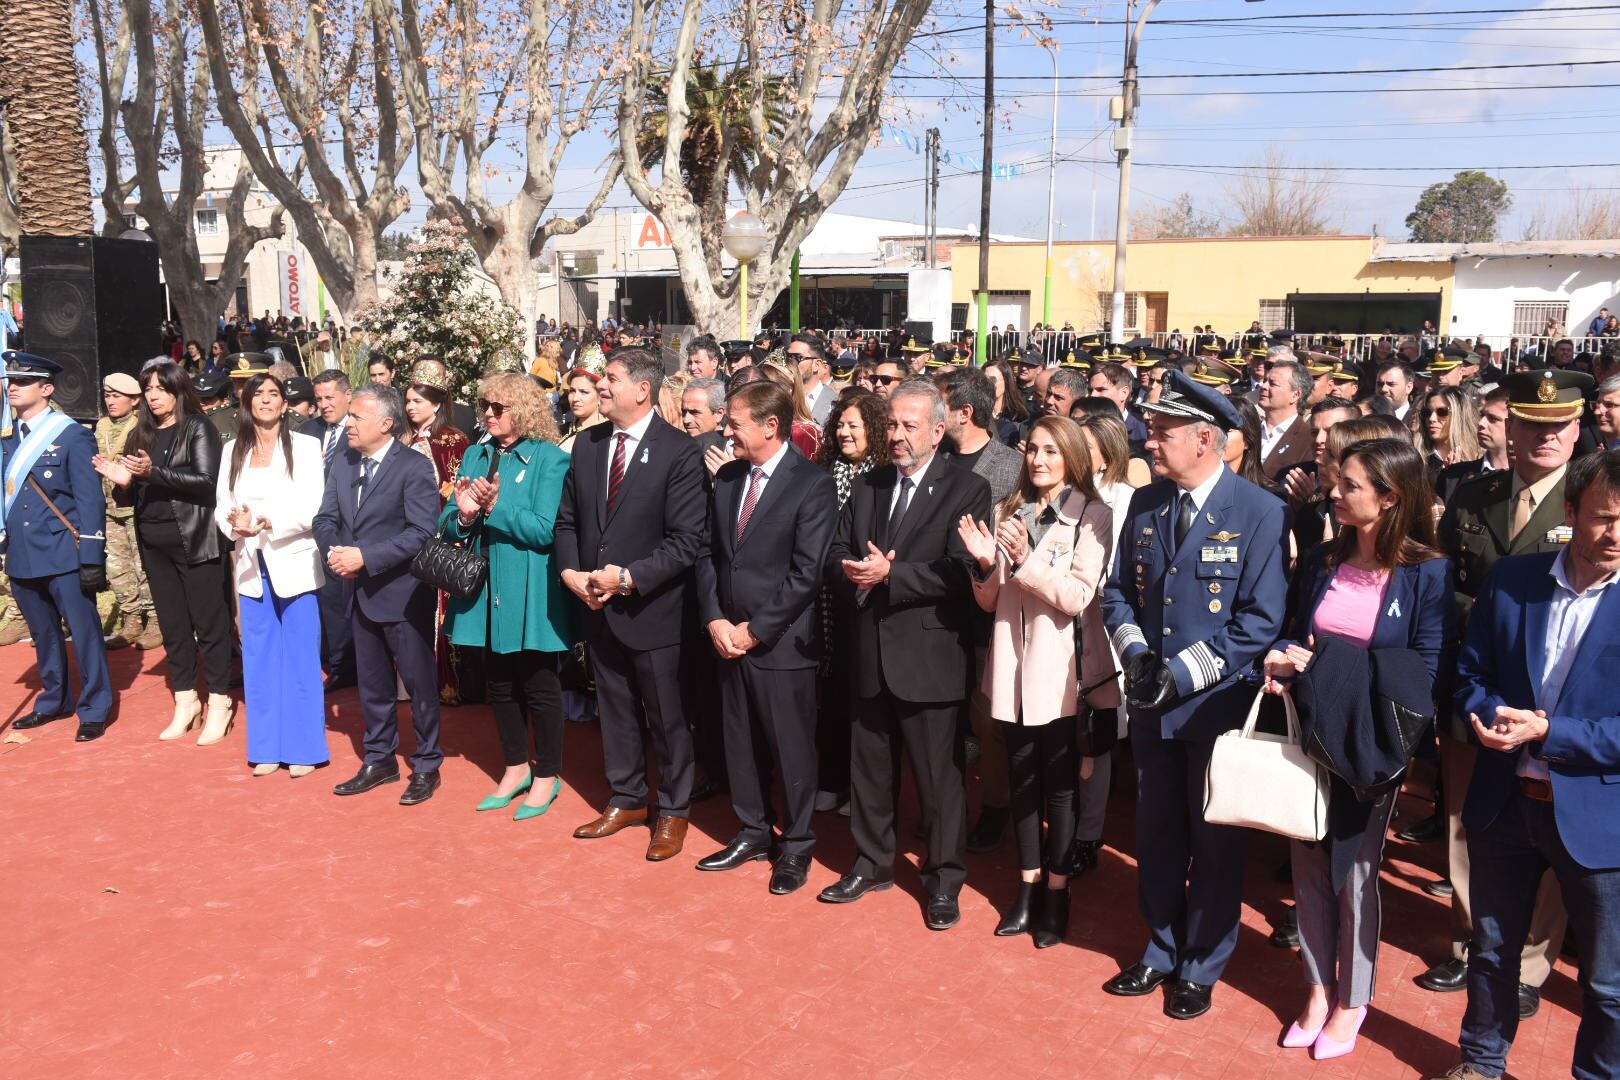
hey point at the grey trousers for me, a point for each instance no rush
(1338, 935)
(1091, 798)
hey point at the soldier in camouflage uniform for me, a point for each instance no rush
(132, 602)
(13, 629)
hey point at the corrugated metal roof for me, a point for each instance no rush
(1510, 249)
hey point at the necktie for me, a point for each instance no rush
(22, 428)
(616, 470)
(367, 468)
(901, 504)
(1523, 507)
(1184, 518)
(749, 502)
(331, 440)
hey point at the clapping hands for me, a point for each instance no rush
(476, 496)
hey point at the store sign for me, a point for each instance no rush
(649, 232)
(294, 282)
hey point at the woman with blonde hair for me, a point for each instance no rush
(505, 503)
(1450, 429)
(1040, 571)
(669, 397)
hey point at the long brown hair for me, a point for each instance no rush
(247, 431)
(1076, 455)
(1406, 535)
(1113, 439)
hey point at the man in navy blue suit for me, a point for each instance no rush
(381, 505)
(1535, 679)
(1197, 593)
(55, 514)
(771, 520)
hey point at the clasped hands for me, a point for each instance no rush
(1149, 684)
(872, 571)
(1011, 538)
(596, 587)
(1512, 728)
(123, 469)
(731, 640)
(474, 496)
(345, 562)
(243, 524)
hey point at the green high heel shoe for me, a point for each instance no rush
(525, 812)
(500, 802)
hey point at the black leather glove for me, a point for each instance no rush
(1155, 688)
(93, 579)
(1138, 667)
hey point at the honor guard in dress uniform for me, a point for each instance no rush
(55, 546)
(214, 392)
(1197, 594)
(1512, 511)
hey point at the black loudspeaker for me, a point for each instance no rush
(922, 331)
(95, 306)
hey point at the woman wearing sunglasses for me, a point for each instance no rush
(505, 502)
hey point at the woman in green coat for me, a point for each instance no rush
(507, 494)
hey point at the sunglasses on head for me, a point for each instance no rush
(494, 408)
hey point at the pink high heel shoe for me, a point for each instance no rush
(1297, 1038)
(1325, 1048)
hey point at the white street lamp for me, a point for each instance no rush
(744, 237)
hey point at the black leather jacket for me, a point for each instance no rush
(190, 474)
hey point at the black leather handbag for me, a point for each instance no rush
(454, 568)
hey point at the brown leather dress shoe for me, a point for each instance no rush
(667, 839)
(612, 820)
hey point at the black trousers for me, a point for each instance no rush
(1043, 773)
(833, 724)
(771, 723)
(337, 632)
(526, 693)
(700, 699)
(192, 613)
(938, 761)
(633, 688)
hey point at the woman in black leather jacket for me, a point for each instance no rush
(168, 471)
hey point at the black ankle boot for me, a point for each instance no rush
(1053, 925)
(1019, 917)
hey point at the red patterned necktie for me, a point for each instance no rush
(749, 502)
(616, 471)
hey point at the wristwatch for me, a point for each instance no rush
(624, 582)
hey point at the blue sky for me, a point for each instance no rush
(1203, 118)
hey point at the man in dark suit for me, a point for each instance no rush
(1535, 682)
(629, 530)
(770, 520)
(1512, 511)
(381, 505)
(1286, 438)
(1197, 594)
(898, 563)
(329, 424)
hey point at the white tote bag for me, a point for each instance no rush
(1266, 782)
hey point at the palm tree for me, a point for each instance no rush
(39, 94)
(719, 108)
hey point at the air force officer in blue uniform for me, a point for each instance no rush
(1197, 593)
(1536, 681)
(55, 543)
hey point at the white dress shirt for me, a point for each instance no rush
(636, 432)
(1200, 494)
(1270, 436)
(916, 483)
(1568, 619)
(767, 470)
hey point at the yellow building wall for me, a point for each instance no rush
(1217, 280)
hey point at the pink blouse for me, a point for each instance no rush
(1349, 608)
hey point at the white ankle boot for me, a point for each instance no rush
(187, 710)
(218, 723)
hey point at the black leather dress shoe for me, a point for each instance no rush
(850, 888)
(38, 719)
(986, 835)
(1188, 1000)
(368, 777)
(1135, 981)
(1529, 1001)
(1083, 857)
(1440, 888)
(420, 789)
(90, 732)
(333, 683)
(1426, 831)
(734, 854)
(942, 913)
(1446, 977)
(1286, 933)
(790, 874)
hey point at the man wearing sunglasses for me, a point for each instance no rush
(55, 513)
(886, 377)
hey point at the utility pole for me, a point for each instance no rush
(1122, 146)
(931, 198)
(1051, 189)
(979, 343)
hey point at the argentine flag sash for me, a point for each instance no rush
(42, 433)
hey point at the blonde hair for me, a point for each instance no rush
(531, 414)
(669, 397)
(779, 372)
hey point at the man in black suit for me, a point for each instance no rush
(898, 562)
(381, 505)
(329, 424)
(629, 530)
(770, 521)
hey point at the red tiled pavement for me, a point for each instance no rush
(168, 915)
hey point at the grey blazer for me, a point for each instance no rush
(1000, 466)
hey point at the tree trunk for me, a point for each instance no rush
(40, 90)
(514, 275)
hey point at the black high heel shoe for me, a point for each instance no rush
(1019, 917)
(1053, 925)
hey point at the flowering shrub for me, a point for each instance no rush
(438, 307)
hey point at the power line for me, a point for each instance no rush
(1427, 70)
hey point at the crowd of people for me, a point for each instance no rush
(783, 568)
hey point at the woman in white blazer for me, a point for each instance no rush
(269, 489)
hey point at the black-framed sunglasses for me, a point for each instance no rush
(494, 408)
(885, 380)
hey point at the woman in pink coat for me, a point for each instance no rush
(1041, 572)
